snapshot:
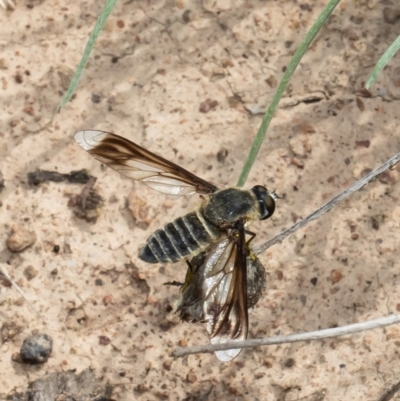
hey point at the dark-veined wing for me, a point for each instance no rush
(137, 163)
(216, 292)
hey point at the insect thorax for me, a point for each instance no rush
(230, 205)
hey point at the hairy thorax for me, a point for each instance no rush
(227, 206)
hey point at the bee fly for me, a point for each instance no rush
(224, 276)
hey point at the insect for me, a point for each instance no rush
(224, 277)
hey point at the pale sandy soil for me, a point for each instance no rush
(153, 65)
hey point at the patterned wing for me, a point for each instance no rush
(216, 292)
(137, 163)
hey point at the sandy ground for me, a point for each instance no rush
(154, 64)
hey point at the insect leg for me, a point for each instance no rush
(175, 283)
(188, 278)
(253, 235)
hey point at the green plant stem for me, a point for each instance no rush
(88, 49)
(386, 57)
(281, 88)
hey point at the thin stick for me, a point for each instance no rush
(4, 271)
(329, 205)
(390, 393)
(313, 335)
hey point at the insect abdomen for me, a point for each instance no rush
(180, 239)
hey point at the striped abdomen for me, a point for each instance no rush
(180, 239)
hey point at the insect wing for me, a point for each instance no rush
(135, 162)
(225, 290)
(190, 307)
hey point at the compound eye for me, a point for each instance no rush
(267, 207)
(266, 200)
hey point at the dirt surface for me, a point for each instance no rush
(154, 66)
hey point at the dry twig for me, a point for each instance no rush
(312, 335)
(329, 205)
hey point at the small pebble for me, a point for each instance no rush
(141, 388)
(225, 63)
(360, 104)
(365, 143)
(336, 276)
(36, 348)
(104, 340)
(207, 105)
(98, 282)
(30, 272)
(20, 239)
(107, 299)
(267, 364)
(222, 154)
(96, 98)
(272, 81)
(167, 364)
(289, 363)
(191, 377)
(186, 16)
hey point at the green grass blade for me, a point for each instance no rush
(386, 57)
(88, 49)
(281, 88)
